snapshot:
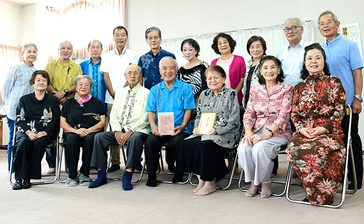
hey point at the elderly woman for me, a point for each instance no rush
(204, 153)
(256, 48)
(316, 151)
(267, 126)
(17, 85)
(233, 65)
(193, 71)
(82, 117)
(37, 119)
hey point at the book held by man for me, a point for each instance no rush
(207, 122)
(166, 123)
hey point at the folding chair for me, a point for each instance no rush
(343, 192)
(38, 182)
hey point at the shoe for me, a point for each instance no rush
(113, 168)
(305, 199)
(84, 180)
(71, 182)
(17, 185)
(172, 168)
(51, 170)
(126, 181)
(266, 190)
(253, 190)
(152, 181)
(26, 184)
(139, 167)
(178, 177)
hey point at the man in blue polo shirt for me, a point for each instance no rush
(149, 62)
(170, 95)
(344, 60)
(91, 67)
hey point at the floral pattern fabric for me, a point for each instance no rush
(318, 102)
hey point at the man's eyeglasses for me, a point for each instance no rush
(290, 28)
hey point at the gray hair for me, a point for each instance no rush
(296, 19)
(25, 46)
(153, 29)
(166, 58)
(94, 41)
(139, 68)
(84, 76)
(327, 12)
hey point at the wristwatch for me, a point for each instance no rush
(65, 91)
(359, 98)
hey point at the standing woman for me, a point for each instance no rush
(266, 125)
(233, 65)
(37, 119)
(82, 117)
(256, 48)
(193, 71)
(17, 85)
(316, 151)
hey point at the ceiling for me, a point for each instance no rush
(22, 2)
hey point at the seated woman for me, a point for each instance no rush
(316, 151)
(204, 153)
(37, 119)
(82, 117)
(266, 124)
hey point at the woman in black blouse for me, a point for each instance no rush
(82, 117)
(37, 120)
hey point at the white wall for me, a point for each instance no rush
(192, 17)
(10, 17)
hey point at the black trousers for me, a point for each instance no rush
(357, 147)
(28, 156)
(154, 145)
(72, 144)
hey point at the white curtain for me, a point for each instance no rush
(273, 35)
(79, 21)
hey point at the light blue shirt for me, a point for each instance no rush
(343, 57)
(16, 85)
(178, 99)
(292, 62)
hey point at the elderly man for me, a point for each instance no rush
(62, 73)
(170, 95)
(129, 125)
(345, 62)
(91, 67)
(149, 62)
(113, 66)
(291, 55)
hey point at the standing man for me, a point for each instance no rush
(344, 60)
(129, 126)
(149, 62)
(91, 67)
(113, 66)
(62, 73)
(291, 55)
(170, 95)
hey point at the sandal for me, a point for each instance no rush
(17, 185)
(26, 184)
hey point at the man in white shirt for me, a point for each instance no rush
(291, 55)
(113, 66)
(129, 126)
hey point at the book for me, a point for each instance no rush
(166, 123)
(207, 122)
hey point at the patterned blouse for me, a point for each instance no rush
(274, 109)
(227, 124)
(195, 77)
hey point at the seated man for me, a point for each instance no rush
(170, 95)
(129, 125)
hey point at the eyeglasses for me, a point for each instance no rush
(327, 23)
(290, 28)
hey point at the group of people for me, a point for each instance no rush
(294, 99)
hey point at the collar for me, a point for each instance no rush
(25, 64)
(135, 89)
(116, 52)
(299, 45)
(336, 39)
(98, 63)
(151, 52)
(176, 84)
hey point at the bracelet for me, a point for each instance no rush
(270, 131)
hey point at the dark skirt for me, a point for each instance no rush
(204, 158)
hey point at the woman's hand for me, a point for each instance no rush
(31, 135)
(196, 131)
(212, 132)
(41, 134)
(248, 137)
(313, 132)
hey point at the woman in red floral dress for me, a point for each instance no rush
(316, 150)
